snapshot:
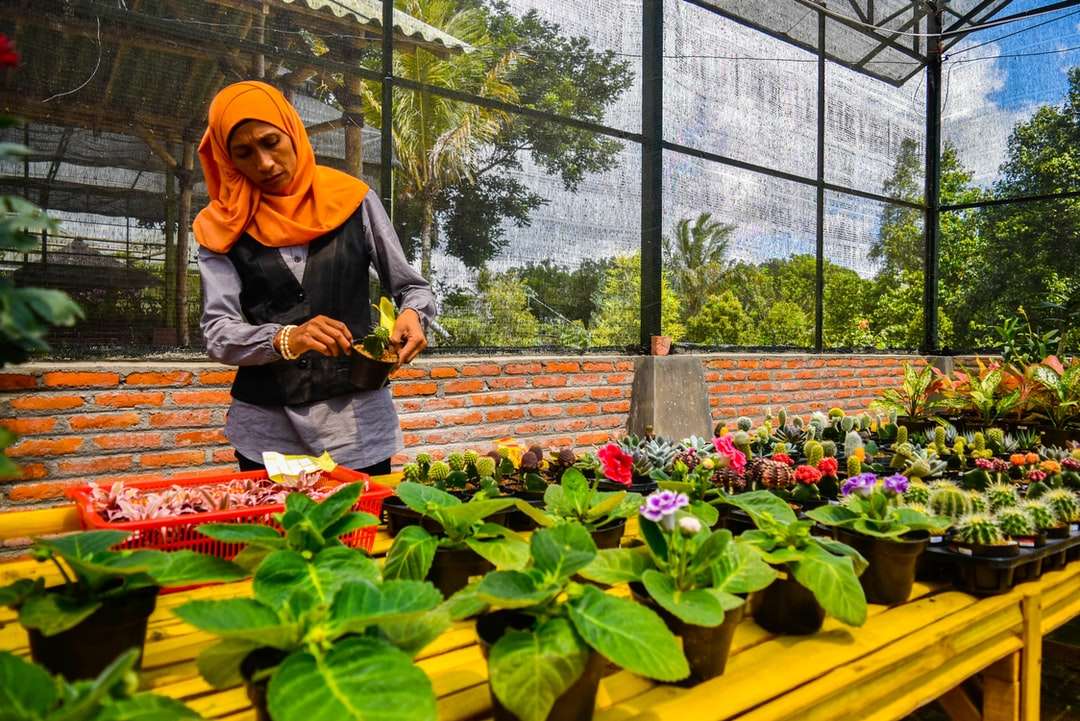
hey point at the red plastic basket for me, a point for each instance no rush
(178, 532)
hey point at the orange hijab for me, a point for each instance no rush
(318, 200)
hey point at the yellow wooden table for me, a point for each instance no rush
(903, 658)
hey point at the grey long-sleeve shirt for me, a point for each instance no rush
(359, 429)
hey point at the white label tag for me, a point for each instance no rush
(965, 551)
(936, 539)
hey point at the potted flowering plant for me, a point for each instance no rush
(77, 629)
(546, 637)
(375, 357)
(699, 484)
(821, 575)
(574, 500)
(695, 578)
(987, 471)
(873, 520)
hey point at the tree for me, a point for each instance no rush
(786, 324)
(498, 317)
(696, 259)
(899, 246)
(618, 317)
(562, 293)
(722, 321)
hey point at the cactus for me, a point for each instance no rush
(744, 423)
(761, 435)
(456, 461)
(1036, 489)
(865, 422)
(917, 492)
(977, 502)
(949, 500)
(835, 413)
(1002, 495)
(423, 459)
(939, 440)
(529, 462)
(901, 434)
(471, 457)
(847, 425)
(1042, 515)
(1016, 522)
(979, 528)
(741, 440)
(485, 467)
(813, 452)
(781, 418)
(1064, 503)
(852, 442)
(767, 473)
(996, 437)
(411, 472)
(829, 448)
(439, 471)
(978, 443)
(854, 466)
(780, 447)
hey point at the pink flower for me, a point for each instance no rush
(726, 447)
(984, 464)
(1036, 475)
(8, 57)
(618, 464)
(828, 467)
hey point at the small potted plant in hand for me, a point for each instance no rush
(575, 500)
(546, 637)
(822, 575)
(873, 520)
(101, 610)
(375, 356)
(697, 579)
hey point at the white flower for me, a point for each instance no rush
(689, 525)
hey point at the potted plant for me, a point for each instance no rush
(699, 485)
(574, 500)
(29, 693)
(822, 575)
(101, 609)
(464, 546)
(982, 394)
(1058, 403)
(464, 475)
(629, 463)
(546, 637)
(323, 632)
(916, 401)
(1066, 508)
(695, 578)
(375, 357)
(978, 534)
(891, 536)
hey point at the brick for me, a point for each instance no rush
(504, 414)
(518, 369)
(471, 418)
(562, 367)
(545, 411)
(420, 405)
(407, 374)
(772, 363)
(181, 419)
(413, 423)
(132, 399)
(100, 464)
(414, 389)
(549, 381)
(154, 379)
(526, 429)
(616, 407)
(444, 372)
(44, 447)
(490, 399)
(28, 472)
(619, 378)
(504, 384)
(104, 421)
(482, 369)
(216, 378)
(38, 492)
(172, 459)
(28, 426)
(201, 398)
(606, 393)
(80, 379)
(211, 437)
(586, 379)
(464, 386)
(624, 365)
(570, 394)
(46, 403)
(593, 438)
(126, 441)
(584, 409)
(411, 439)
(597, 366)
(17, 381)
(224, 455)
(573, 425)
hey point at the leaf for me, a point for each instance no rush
(837, 548)
(299, 505)
(700, 607)
(511, 589)
(26, 691)
(284, 574)
(335, 506)
(561, 551)
(411, 555)
(761, 505)
(705, 512)
(742, 570)
(529, 670)
(456, 520)
(831, 515)
(628, 634)
(220, 664)
(544, 520)
(833, 582)
(424, 499)
(362, 603)
(240, 618)
(506, 554)
(465, 603)
(604, 504)
(246, 533)
(359, 679)
(411, 634)
(16, 593)
(146, 707)
(575, 493)
(180, 568)
(350, 522)
(82, 545)
(714, 547)
(619, 565)
(654, 538)
(51, 613)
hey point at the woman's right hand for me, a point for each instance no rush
(321, 334)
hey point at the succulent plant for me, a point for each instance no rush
(537, 451)
(1009, 444)
(829, 447)
(948, 500)
(780, 448)
(996, 438)
(456, 461)
(1027, 439)
(1015, 522)
(917, 492)
(1002, 495)
(835, 413)
(770, 474)
(566, 457)
(854, 466)
(977, 502)
(439, 471)
(1042, 515)
(939, 437)
(978, 443)
(852, 442)
(471, 457)
(979, 528)
(697, 443)
(791, 434)
(847, 424)
(741, 440)
(923, 464)
(729, 480)
(423, 459)
(797, 421)
(1064, 503)
(781, 418)
(485, 467)
(901, 434)
(813, 452)
(743, 423)
(659, 452)
(411, 472)
(1055, 453)
(951, 434)
(529, 462)
(865, 421)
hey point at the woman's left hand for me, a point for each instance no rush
(408, 336)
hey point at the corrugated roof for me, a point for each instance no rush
(369, 12)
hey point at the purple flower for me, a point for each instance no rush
(863, 484)
(896, 484)
(660, 507)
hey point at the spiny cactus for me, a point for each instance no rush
(852, 442)
(741, 440)
(1002, 495)
(456, 461)
(410, 472)
(901, 434)
(471, 457)
(949, 500)
(1064, 503)
(797, 421)
(996, 437)
(939, 439)
(423, 459)
(979, 442)
(781, 418)
(865, 422)
(744, 424)
(847, 424)
(854, 466)
(917, 492)
(922, 464)
(1015, 522)
(780, 447)
(1042, 515)
(813, 452)
(835, 413)
(977, 502)
(439, 471)
(979, 528)
(767, 473)
(485, 467)
(829, 448)
(529, 462)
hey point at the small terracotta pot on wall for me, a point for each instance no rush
(661, 345)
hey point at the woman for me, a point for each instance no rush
(285, 251)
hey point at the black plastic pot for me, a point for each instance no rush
(86, 650)
(995, 550)
(639, 484)
(706, 648)
(453, 567)
(258, 660)
(609, 535)
(787, 607)
(891, 573)
(369, 374)
(518, 520)
(1059, 436)
(1058, 532)
(398, 515)
(577, 703)
(737, 521)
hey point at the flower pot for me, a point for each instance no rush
(367, 373)
(518, 520)
(258, 660)
(1059, 436)
(398, 515)
(706, 647)
(659, 344)
(87, 649)
(992, 550)
(1058, 532)
(891, 573)
(785, 606)
(609, 535)
(639, 484)
(737, 521)
(454, 567)
(575, 704)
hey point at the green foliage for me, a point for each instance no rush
(498, 316)
(947, 499)
(563, 293)
(1042, 515)
(878, 515)
(618, 303)
(1064, 503)
(721, 321)
(1015, 522)
(575, 500)
(695, 260)
(1001, 495)
(979, 528)
(916, 396)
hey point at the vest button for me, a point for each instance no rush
(302, 363)
(300, 295)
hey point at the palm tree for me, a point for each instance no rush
(437, 139)
(696, 259)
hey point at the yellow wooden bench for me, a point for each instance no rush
(904, 657)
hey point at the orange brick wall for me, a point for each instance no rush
(81, 421)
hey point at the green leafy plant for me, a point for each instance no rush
(531, 667)
(1059, 402)
(1015, 522)
(916, 398)
(575, 500)
(376, 344)
(29, 693)
(698, 485)
(94, 575)
(981, 392)
(873, 507)
(828, 569)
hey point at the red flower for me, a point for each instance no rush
(8, 57)
(828, 466)
(807, 475)
(1035, 475)
(618, 464)
(783, 458)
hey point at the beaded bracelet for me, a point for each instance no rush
(286, 353)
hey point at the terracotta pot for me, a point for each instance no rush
(660, 345)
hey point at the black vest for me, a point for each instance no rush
(335, 284)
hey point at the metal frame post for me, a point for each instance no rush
(931, 225)
(652, 206)
(819, 283)
(386, 145)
